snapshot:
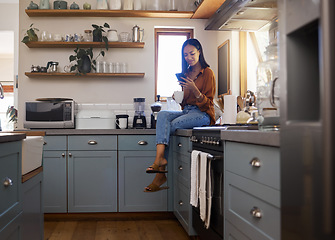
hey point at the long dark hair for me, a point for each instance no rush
(194, 42)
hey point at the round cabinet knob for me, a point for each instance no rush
(256, 212)
(7, 182)
(142, 142)
(255, 162)
(70, 154)
(180, 145)
(63, 154)
(92, 142)
(181, 203)
(180, 167)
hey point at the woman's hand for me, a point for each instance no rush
(189, 84)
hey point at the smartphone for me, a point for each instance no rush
(179, 76)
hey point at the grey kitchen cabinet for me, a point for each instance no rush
(182, 148)
(55, 177)
(32, 216)
(136, 153)
(10, 191)
(252, 191)
(92, 173)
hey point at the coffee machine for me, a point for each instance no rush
(155, 107)
(139, 117)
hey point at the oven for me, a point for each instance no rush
(207, 139)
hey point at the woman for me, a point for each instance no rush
(198, 108)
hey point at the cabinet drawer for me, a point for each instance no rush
(54, 143)
(182, 168)
(242, 196)
(10, 177)
(137, 142)
(93, 142)
(182, 144)
(239, 157)
(182, 206)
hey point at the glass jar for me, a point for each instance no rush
(128, 4)
(268, 90)
(115, 4)
(88, 36)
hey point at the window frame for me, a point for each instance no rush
(188, 32)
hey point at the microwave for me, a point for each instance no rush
(49, 114)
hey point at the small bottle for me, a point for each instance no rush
(88, 37)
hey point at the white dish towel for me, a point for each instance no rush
(202, 186)
(194, 178)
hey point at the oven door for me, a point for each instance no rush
(215, 230)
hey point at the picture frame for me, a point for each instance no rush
(224, 67)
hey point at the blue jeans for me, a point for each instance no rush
(169, 121)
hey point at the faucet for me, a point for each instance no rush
(1, 92)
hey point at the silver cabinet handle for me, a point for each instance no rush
(63, 154)
(180, 203)
(7, 182)
(255, 162)
(142, 142)
(70, 154)
(256, 212)
(180, 167)
(92, 142)
(180, 145)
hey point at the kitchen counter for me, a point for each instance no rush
(11, 137)
(99, 131)
(270, 138)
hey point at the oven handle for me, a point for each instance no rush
(214, 158)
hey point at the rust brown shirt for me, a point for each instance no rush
(205, 82)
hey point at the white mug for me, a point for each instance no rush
(178, 96)
(121, 123)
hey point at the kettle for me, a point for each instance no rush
(52, 66)
(137, 34)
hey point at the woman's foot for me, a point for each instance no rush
(159, 180)
(158, 166)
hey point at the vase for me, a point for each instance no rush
(44, 4)
(97, 36)
(102, 4)
(85, 66)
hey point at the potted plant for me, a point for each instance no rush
(84, 60)
(30, 34)
(97, 33)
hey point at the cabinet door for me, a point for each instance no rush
(33, 223)
(10, 177)
(132, 181)
(13, 230)
(92, 180)
(54, 187)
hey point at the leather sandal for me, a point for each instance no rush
(155, 169)
(154, 188)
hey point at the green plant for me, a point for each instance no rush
(12, 114)
(81, 57)
(30, 34)
(97, 34)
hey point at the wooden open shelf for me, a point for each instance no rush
(107, 13)
(52, 44)
(93, 75)
(207, 8)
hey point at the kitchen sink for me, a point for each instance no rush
(32, 149)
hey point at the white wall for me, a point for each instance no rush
(113, 90)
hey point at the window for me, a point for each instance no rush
(168, 44)
(7, 75)
(252, 45)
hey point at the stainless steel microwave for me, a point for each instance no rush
(49, 114)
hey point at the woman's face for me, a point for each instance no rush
(191, 55)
